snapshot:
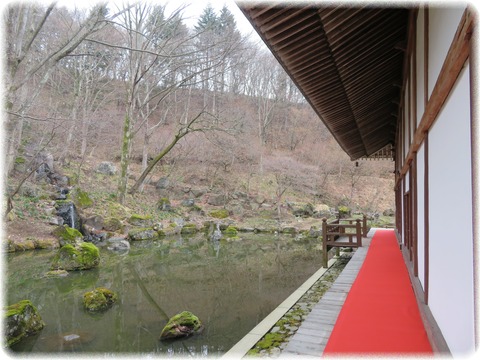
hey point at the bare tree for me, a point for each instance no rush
(33, 53)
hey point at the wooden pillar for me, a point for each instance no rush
(365, 230)
(359, 233)
(324, 243)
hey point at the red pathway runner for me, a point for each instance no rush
(380, 314)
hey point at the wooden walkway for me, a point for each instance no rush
(314, 332)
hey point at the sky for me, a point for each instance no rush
(192, 11)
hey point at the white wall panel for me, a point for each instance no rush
(420, 65)
(443, 23)
(421, 214)
(451, 297)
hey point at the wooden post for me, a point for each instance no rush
(324, 243)
(365, 225)
(359, 233)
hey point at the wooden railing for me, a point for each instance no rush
(336, 232)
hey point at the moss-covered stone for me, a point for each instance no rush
(141, 220)
(113, 224)
(189, 229)
(21, 320)
(67, 235)
(219, 214)
(79, 257)
(99, 299)
(164, 204)
(138, 234)
(181, 325)
(231, 232)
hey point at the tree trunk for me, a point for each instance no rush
(125, 159)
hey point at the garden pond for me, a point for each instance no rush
(230, 285)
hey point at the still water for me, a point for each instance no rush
(230, 286)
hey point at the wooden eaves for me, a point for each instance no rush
(346, 60)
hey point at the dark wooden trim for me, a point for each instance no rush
(475, 134)
(457, 55)
(426, 218)
(415, 216)
(425, 56)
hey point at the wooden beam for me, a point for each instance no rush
(454, 62)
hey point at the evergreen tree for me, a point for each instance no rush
(207, 20)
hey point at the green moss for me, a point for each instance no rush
(81, 198)
(79, 257)
(343, 211)
(270, 340)
(118, 211)
(99, 299)
(20, 160)
(67, 235)
(231, 232)
(181, 325)
(140, 217)
(138, 234)
(21, 319)
(189, 229)
(219, 214)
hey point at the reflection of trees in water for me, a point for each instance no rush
(231, 288)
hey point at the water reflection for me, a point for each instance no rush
(230, 286)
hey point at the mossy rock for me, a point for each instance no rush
(189, 229)
(164, 204)
(99, 299)
(231, 232)
(67, 235)
(21, 320)
(83, 256)
(219, 214)
(181, 325)
(113, 224)
(141, 220)
(139, 234)
(81, 198)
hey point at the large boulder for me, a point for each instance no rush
(21, 320)
(67, 235)
(181, 325)
(302, 210)
(138, 234)
(82, 256)
(99, 299)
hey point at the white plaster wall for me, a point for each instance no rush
(451, 297)
(443, 23)
(420, 65)
(421, 214)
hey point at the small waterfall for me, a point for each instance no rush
(72, 215)
(68, 213)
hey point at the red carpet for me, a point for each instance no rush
(380, 314)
